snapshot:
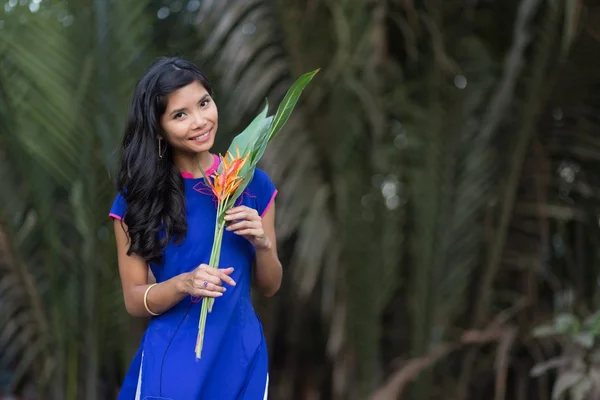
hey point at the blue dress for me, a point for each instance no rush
(234, 364)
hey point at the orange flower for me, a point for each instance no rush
(225, 184)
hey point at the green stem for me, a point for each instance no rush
(215, 255)
(201, 325)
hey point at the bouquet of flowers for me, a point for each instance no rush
(237, 169)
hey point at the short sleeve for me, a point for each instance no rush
(265, 191)
(118, 208)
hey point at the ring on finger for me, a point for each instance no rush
(211, 287)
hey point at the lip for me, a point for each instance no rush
(201, 140)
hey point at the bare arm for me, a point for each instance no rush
(269, 272)
(135, 274)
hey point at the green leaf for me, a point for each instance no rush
(255, 138)
(262, 142)
(289, 102)
(245, 141)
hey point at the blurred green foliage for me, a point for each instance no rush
(438, 188)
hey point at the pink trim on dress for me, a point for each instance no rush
(215, 165)
(115, 216)
(187, 175)
(213, 168)
(269, 205)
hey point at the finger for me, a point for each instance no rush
(201, 267)
(257, 233)
(249, 214)
(205, 293)
(235, 212)
(207, 274)
(206, 277)
(212, 287)
(243, 224)
(227, 271)
(224, 275)
(238, 209)
(237, 217)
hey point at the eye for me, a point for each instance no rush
(204, 102)
(179, 115)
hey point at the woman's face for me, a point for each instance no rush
(190, 120)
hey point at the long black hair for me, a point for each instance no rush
(152, 185)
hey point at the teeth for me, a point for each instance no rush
(201, 136)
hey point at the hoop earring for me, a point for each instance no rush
(160, 152)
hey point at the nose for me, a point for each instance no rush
(199, 120)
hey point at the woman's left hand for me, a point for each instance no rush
(247, 223)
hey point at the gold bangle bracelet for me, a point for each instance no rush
(146, 299)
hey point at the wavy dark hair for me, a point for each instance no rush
(153, 186)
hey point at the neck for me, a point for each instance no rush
(189, 163)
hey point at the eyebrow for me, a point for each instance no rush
(206, 96)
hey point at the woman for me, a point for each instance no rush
(164, 220)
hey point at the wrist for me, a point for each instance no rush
(180, 283)
(265, 247)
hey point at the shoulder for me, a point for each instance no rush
(261, 184)
(119, 205)
(262, 189)
(260, 177)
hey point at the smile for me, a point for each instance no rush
(201, 137)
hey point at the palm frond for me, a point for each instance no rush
(68, 88)
(24, 326)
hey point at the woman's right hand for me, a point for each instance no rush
(206, 281)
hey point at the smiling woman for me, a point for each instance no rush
(190, 123)
(164, 219)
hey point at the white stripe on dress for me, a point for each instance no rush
(138, 391)
(266, 389)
